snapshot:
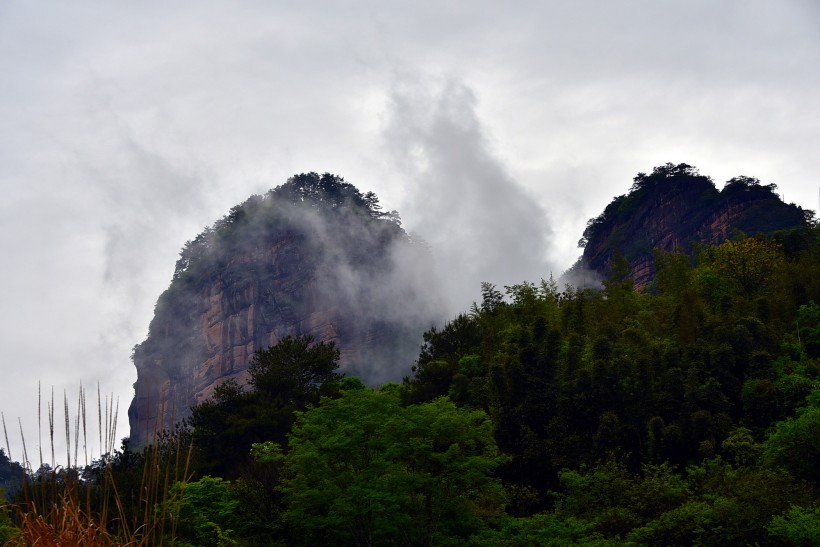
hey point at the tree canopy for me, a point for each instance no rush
(365, 470)
(283, 379)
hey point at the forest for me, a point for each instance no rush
(684, 414)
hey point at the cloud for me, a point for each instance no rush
(481, 224)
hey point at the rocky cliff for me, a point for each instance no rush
(675, 208)
(314, 256)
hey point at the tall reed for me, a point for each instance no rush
(93, 504)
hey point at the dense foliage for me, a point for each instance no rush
(686, 414)
(707, 384)
(284, 379)
(363, 470)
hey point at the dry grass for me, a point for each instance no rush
(65, 524)
(63, 508)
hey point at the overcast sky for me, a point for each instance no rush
(496, 129)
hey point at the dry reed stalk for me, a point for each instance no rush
(85, 435)
(6, 433)
(40, 422)
(53, 513)
(51, 427)
(67, 431)
(66, 524)
(26, 463)
(99, 416)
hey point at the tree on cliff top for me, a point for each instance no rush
(623, 207)
(328, 190)
(326, 193)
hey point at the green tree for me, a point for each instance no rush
(204, 511)
(295, 371)
(798, 526)
(795, 444)
(613, 501)
(748, 263)
(364, 470)
(224, 428)
(741, 447)
(7, 529)
(284, 379)
(11, 476)
(809, 329)
(541, 530)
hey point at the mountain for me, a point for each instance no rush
(674, 209)
(313, 256)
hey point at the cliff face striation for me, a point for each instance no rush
(314, 256)
(675, 208)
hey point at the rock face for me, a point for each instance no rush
(313, 256)
(674, 208)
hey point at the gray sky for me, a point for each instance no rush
(496, 129)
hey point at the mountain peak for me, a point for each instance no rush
(674, 208)
(313, 256)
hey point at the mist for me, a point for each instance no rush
(311, 257)
(481, 224)
(379, 278)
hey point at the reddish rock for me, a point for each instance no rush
(675, 208)
(244, 285)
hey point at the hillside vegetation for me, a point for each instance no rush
(684, 414)
(676, 208)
